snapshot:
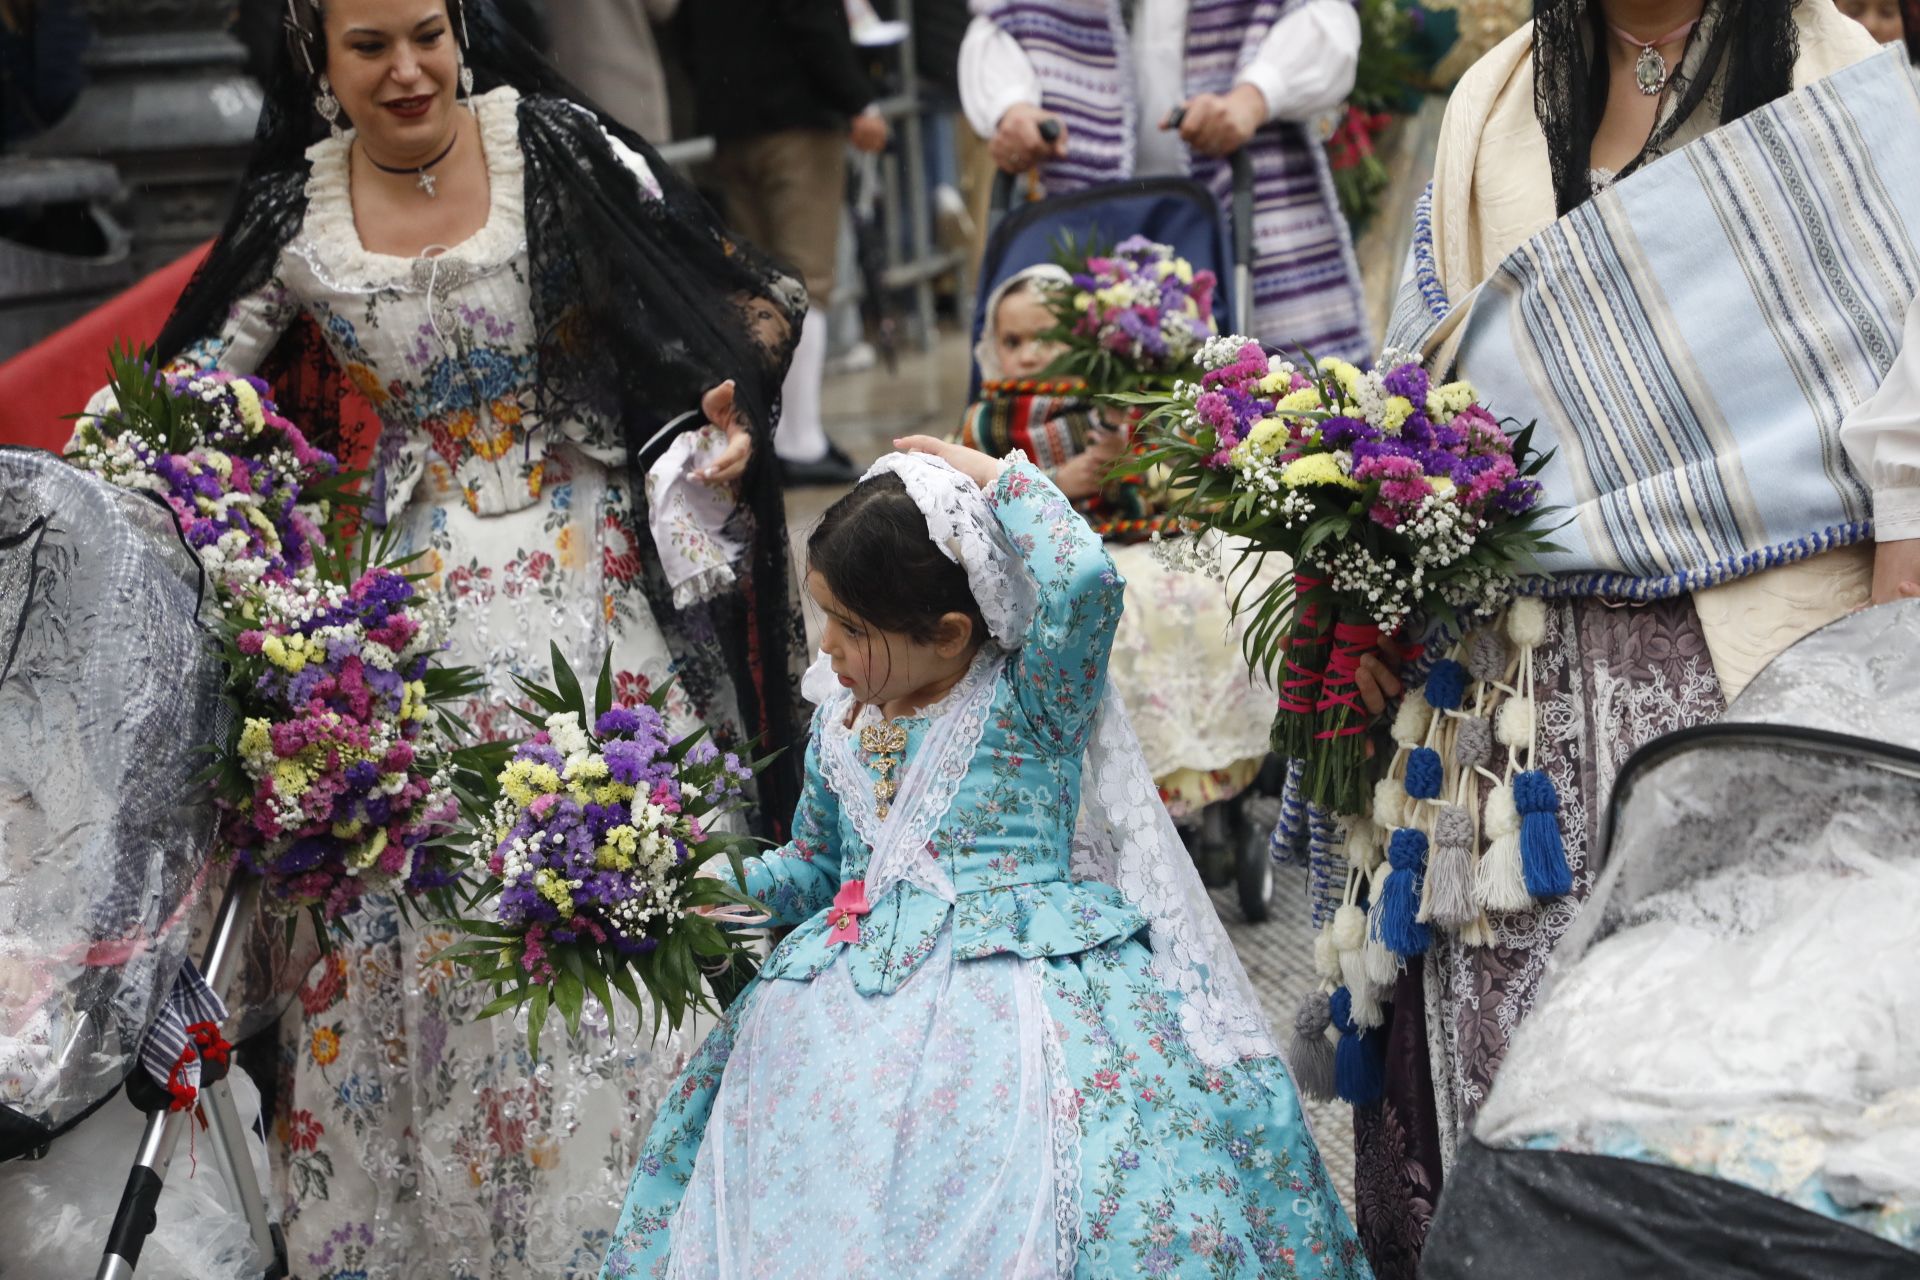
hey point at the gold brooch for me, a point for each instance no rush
(883, 744)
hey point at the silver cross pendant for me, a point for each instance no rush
(426, 183)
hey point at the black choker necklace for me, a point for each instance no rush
(426, 179)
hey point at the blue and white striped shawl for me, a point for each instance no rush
(1690, 340)
(1306, 288)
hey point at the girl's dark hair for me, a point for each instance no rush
(878, 559)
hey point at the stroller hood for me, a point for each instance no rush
(109, 695)
(1724, 1059)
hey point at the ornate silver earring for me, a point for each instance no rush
(328, 106)
(466, 82)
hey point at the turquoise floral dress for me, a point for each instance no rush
(977, 1074)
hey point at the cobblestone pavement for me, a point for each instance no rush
(865, 412)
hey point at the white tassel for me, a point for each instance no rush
(1326, 956)
(1383, 967)
(1362, 843)
(1479, 933)
(1514, 725)
(1527, 622)
(1389, 804)
(1411, 721)
(1349, 929)
(1499, 884)
(1366, 996)
(1502, 818)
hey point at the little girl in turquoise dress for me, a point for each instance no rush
(1007, 1036)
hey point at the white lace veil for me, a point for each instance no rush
(1124, 837)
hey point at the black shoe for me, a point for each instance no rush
(831, 468)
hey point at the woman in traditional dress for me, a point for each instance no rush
(1706, 508)
(525, 295)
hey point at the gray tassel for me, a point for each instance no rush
(1448, 900)
(1310, 1054)
(1487, 657)
(1473, 743)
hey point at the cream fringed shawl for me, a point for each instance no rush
(1493, 190)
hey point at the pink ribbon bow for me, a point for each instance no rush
(848, 906)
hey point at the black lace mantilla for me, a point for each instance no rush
(1740, 57)
(641, 305)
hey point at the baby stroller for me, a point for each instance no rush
(1229, 842)
(1722, 1076)
(109, 689)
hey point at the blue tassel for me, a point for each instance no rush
(1400, 928)
(1359, 1066)
(1407, 850)
(1543, 853)
(1424, 773)
(1446, 685)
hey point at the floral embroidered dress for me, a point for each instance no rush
(418, 1142)
(976, 1074)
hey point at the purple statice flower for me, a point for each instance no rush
(630, 762)
(1409, 380)
(1344, 432)
(617, 720)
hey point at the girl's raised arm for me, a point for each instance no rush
(1060, 673)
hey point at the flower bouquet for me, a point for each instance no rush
(599, 829)
(1130, 319)
(339, 777)
(1396, 499)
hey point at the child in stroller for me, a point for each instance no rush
(1203, 716)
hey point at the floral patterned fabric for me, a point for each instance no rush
(1609, 678)
(1204, 718)
(416, 1141)
(1148, 1161)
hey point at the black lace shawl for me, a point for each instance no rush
(1740, 57)
(640, 305)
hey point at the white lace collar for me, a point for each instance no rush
(335, 242)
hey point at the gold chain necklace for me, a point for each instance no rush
(883, 743)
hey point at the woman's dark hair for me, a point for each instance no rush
(881, 564)
(1745, 54)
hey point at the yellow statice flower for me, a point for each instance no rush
(1394, 414)
(618, 852)
(290, 778)
(1343, 373)
(548, 884)
(612, 793)
(1316, 468)
(524, 781)
(1305, 400)
(256, 742)
(348, 830)
(290, 658)
(249, 401)
(1444, 402)
(369, 853)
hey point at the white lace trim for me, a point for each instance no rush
(927, 788)
(1063, 1125)
(1219, 1011)
(967, 532)
(329, 238)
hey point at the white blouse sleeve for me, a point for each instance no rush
(995, 74)
(1307, 62)
(1882, 437)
